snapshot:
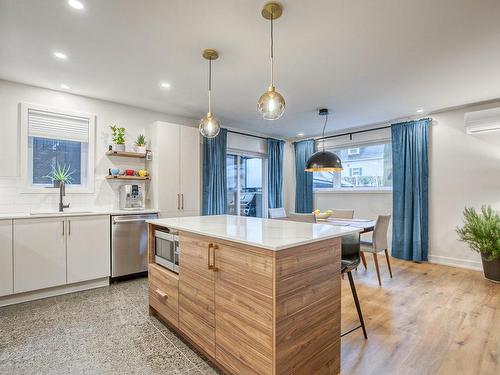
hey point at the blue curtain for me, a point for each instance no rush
(303, 179)
(275, 172)
(214, 174)
(410, 233)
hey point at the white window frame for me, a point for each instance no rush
(361, 190)
(28, 188)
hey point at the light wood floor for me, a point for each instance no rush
(428, 319)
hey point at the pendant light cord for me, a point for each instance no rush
(323, 138)
(210, 85)
(272, 50)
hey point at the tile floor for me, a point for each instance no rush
(100, 331)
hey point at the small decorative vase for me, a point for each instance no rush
(140, 149)
(119, 147)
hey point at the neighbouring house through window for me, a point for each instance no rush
(367, 167)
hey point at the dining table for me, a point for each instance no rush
(367, 225)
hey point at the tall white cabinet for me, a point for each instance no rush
(6, 261)
(176, 182)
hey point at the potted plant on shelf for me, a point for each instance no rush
(140, 144)
(60, 174)
(481, 231)
(118, 135)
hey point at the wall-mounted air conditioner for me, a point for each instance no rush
(482, 121)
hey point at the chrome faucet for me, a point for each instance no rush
(62, 193)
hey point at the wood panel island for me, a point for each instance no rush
(256, 296)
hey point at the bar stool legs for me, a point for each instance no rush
(358, 307)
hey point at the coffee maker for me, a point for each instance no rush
(131, 197)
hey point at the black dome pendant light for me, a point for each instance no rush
(324, 161)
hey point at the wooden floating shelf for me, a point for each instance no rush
(127, 154)
(127, 178)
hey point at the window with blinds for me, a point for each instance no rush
(57, 139)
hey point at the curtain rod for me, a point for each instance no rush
(359, 131)
(245, 134)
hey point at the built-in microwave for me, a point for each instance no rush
(167, 250)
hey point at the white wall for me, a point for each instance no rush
(464, 171)
(133, 119)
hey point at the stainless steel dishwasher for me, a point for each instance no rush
(129, 245)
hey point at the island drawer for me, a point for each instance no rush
(164, 293)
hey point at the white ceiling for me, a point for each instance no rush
(367, 61)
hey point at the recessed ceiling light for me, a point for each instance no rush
(420, 110)
(165, 85)
(300, 134)
(75, 4)
(65, 87)
(60, 55)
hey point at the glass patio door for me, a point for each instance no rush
(246, 190)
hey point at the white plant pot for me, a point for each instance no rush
(140, 149)
(117, 147)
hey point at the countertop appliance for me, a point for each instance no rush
(129, 244)
(131, 197)
(167, 249)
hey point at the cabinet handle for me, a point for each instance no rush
(209, 256)
(162, 294)
(182, 201)
(214, 268)
(63, 228)
(178, 201)
(69, 227)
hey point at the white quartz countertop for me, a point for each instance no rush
(265, 233)
(75, 212)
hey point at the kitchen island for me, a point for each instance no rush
(256, 296)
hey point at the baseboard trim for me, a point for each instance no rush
(456, 262)
(55, 291)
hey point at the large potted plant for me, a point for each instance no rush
(118, 135)
(60, 174)
(481, 231)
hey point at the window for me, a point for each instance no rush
(365, 168)
(353, 151)
(54, 138)
(245, 186)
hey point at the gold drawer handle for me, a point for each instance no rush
(162, 294)
(211, 257)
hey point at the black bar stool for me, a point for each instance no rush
(349, 261)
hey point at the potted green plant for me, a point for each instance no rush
(481, 231)
(118, 135)
(140, 144)
(60, 174)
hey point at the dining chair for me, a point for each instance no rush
(305, 218)
(342, 214)
(378, 243)
(276, 213)
(350, 260)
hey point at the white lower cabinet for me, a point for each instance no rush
(56, 251)
(39, 253)
(88, 248)
(6, 266)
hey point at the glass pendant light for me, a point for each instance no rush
(324, 161)
(271, 104)
(209, 125)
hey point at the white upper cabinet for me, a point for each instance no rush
(39, 253)
(6, 267)
(176, 183)
(88, 248)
